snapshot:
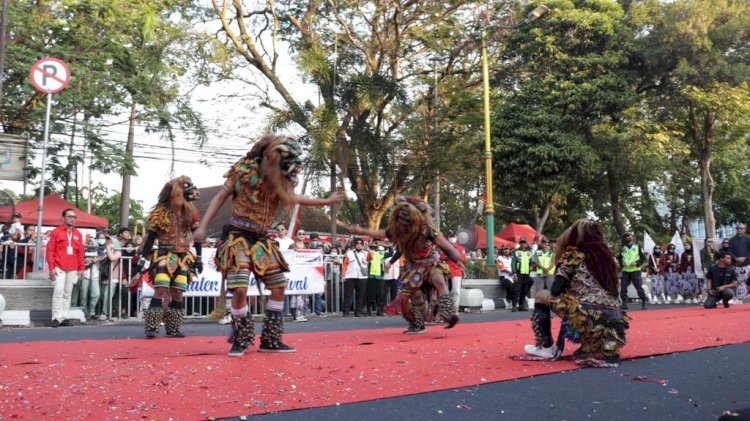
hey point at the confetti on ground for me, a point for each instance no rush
(194, 378)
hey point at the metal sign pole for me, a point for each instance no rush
(38, 245)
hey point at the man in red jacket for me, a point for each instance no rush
(65, 262)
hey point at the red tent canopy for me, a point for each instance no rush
(54, 205)
(513, 232)
(481, 239)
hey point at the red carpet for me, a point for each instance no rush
(192, 378)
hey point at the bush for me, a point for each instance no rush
(478, 269)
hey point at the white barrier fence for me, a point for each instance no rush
(306, 276)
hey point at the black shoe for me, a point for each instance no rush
(726, 303)
(643, 305)
(281, 348)
(237, 350)
(65, 322)
(177, 334)
(151, 334)
(514, 309)
(55, 323)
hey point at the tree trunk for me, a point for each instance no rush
(614, 198)
(125, 194)
(541, 220)
(703, 142)
(707, 191)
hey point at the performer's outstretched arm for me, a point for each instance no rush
(200, 233)
(356, 229)
(332, 200)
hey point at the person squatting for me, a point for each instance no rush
(259, 183)
(586, 296)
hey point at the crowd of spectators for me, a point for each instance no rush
(360, 274)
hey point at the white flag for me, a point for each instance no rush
(679, 248)
(648, 243)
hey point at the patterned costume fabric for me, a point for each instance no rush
(253, 210)
(245, 247)
(172, 261)
(689, 288)
(668, 268)
(421, 262)
(242, 253)
(590, 314)
(743, 272)
(168, 230)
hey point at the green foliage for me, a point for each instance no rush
(118, 52)
(478, 269)
(106, 203)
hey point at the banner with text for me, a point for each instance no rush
(305, 276)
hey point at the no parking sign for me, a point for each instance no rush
(50, 75)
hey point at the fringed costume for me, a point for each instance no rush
(410, 226)
(172, 263)
(590, 315)
(586, 296)
(259, 184)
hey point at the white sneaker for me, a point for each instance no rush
(547, 353)
(226, 320)
(668, 300)
(301, 319)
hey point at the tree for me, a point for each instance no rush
(106, 203)
(370, 89)
(563, 121)
(124, 56)
(695, 78)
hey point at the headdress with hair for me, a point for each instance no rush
(587, 237)
(175, 204)
(410, 224)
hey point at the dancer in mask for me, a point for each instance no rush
(411, 228)
(586, 296)
(172, 264)
(259, 183)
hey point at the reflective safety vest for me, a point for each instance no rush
(376, 267)
(545, 259)
(630, 256)
(523, 261)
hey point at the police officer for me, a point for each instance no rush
(631, 259)
(522, 272)
(543, 262)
